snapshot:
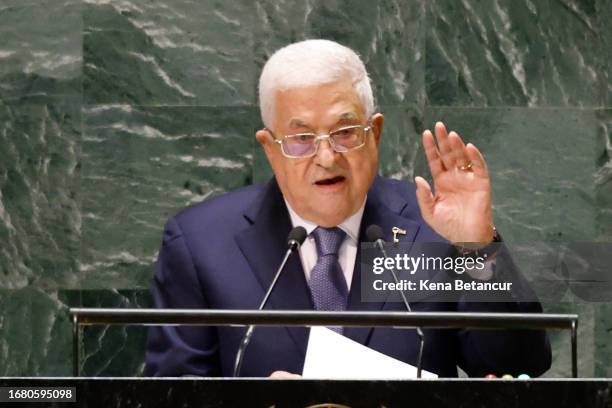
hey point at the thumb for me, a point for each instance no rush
(424, 197)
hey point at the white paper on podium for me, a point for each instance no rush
(332, 356)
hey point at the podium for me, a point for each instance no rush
(211, 317)
(264, 392)
(221, 393)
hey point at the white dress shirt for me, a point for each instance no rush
(348, 249)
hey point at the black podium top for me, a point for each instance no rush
(204, 392)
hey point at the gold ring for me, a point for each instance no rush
(466, 167)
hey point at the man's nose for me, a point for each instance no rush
(326, 155)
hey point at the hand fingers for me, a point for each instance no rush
(425, 197)
(284, 375)
(444, 145)
(452, 152)
(431, 153)
(479, 165)
(458, 150)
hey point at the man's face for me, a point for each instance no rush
(329, 186)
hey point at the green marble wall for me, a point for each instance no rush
(114, 114)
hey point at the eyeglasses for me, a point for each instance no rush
(302, 145)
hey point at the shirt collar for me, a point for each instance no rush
(350, 225)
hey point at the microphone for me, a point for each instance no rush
(296, 237)
(375, 234)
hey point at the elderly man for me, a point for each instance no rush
(322, 139)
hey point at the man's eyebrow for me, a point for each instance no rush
(343, 118)
(298, 123)
(347, 116)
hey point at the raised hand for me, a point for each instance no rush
(460, 210)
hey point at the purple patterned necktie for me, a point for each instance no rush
(327, 283)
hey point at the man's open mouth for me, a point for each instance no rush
(330, 181)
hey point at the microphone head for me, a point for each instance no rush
(374, 233)
(297, 236)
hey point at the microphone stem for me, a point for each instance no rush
(292, 246)
(381, 246)
(249, 333)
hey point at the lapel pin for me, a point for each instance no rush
(397, 230)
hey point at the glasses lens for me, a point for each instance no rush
(299, 145)
(348, 138)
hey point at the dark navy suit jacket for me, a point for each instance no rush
(223, 253)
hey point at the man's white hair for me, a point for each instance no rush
(311, 63)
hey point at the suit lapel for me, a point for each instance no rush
(382, 208)
(264, 244)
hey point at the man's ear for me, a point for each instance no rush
(377, 126)
(265, 140)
